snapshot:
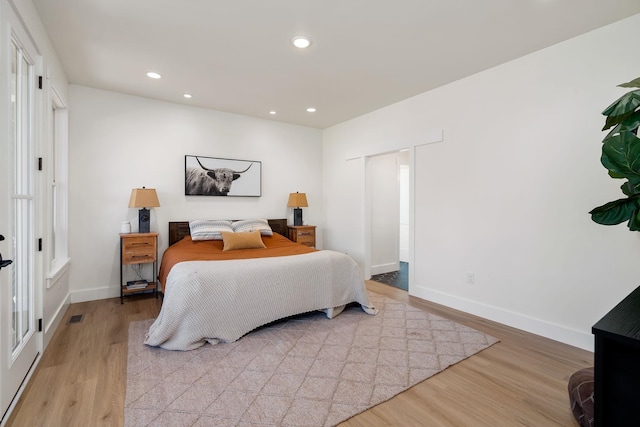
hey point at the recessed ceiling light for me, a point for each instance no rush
(311, 110)
(153, 75)
(273, 113)
(301, 41)
(187, 95)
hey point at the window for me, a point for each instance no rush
(56, 152)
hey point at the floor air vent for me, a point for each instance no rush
(76, 318)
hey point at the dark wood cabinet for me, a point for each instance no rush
(617, 364)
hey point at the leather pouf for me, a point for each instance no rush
(581, 396)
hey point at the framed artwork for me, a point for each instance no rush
(211, 176)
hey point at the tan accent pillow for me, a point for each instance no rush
(246, 240)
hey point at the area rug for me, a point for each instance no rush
(303, 371)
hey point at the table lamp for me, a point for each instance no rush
(144, 198)
(297, 201)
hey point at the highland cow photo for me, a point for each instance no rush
(210, 176)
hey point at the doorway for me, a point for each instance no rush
(389, 200)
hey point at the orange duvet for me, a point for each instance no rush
(211, 250)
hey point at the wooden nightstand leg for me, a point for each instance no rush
(121, 291)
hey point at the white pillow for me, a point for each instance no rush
(252, 225)
(208, 229)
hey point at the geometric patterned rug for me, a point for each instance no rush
(302, 371)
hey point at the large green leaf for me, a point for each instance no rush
(615, 212)
(621, 155)
(631, 188)
(624, 105)
(632, 83)
(634, 221)
(625, 122)
(631, 123)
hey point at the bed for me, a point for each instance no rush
(216, 296)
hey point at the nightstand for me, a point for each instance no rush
(303, 234)
(138, 248)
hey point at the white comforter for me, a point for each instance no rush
(213, 301)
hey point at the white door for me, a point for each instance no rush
(19, 338)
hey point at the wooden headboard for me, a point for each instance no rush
(179, 229)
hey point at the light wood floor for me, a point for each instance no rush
(520, 381)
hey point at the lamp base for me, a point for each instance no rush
(143, 220)
(297, 216)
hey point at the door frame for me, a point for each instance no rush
(367, 222)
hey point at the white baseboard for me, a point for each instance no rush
(94, 294)
(51, 327)
(385, 268)
(543, 328)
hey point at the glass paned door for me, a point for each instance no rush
(19, 343)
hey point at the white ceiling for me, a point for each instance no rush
(237, 56)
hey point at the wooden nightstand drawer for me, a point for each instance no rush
(138, 257)
(303, 234)
(306, 239)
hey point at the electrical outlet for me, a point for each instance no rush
(471, 278)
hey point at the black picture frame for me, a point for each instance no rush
(214, 176)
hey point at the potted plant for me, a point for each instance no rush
(621, 156)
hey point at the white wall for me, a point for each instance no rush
(119, 142)
(383, 189)
(505, 195)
